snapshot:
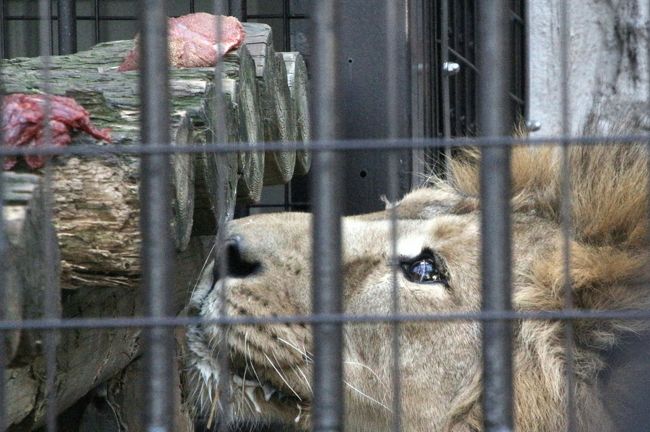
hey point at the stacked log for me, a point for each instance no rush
(90, 246)
(33, 260)
(240, 67)
(277, 114)
(298, 81)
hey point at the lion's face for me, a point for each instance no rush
(438, 272)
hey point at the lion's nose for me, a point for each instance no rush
(232, 261)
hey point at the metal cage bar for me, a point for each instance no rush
(51, 299)
(566, 221)
(4, 262)
(220, 7)
(328, 320)
(157, 247)
(494, 120)
(67, 28)
(328, 402)
(394, 16)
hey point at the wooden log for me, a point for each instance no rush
(298, 80)
(88, 357)
(219, 168)
(96, 208)
(239, 66)
(275, 106)
(23, 388)
(123, 396)
(34, 258)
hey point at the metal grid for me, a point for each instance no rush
(493, 122)
(445, 103)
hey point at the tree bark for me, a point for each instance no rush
(88, 357)
(96, 211)
(298, 81)
(33, 259)
(94, 234)
(241, 68)
(275, 106)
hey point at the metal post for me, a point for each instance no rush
(326, 189)
(4, 248)
(565, 215)
(4, 46)
(97, 23)
(444, 48)
(237, 9)
(155, 196)
(493, 117)
(52, 299)
(67, 26)
(221, 7)
(394, 16)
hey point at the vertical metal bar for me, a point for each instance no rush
(155, 196)
(444, 42)
(244, 9)
(192, 6)
(220, 7)
(97, 30)
(470, 106)
(286, 24)
(417, 73)
(237, 9)
(493, 117)
(648, 143)
(565, 214)
(4, 49)
(393, 20)
(286, 41)
(326, 190)
(51, 299)
(4, 249)
(67, 26)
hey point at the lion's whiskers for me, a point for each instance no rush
(205, 264)
(301, 375)
(370, 398)
(281, 376)
(247, 358)
(369, 369)
(305, 355)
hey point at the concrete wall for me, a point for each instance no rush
(608, 60)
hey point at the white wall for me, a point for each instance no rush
(608, 58)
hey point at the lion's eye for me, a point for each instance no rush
(424, 269)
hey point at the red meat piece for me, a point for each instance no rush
(23, 120)
(193, 41)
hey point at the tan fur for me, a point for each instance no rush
(441, 361)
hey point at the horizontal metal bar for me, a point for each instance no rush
(80, 17)
(144, 322)
(277, 16)
(330, 144)
(294, 203)
(135, 18)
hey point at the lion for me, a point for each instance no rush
(270, 259)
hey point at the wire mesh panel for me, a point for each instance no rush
(520, 257)
(448, 99)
